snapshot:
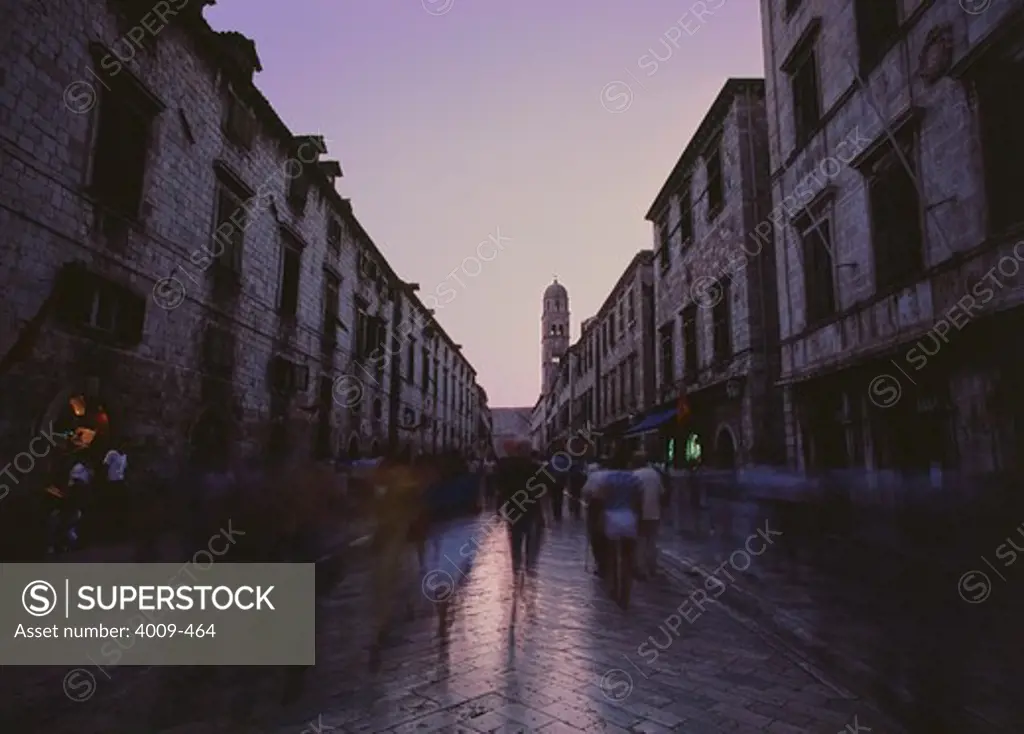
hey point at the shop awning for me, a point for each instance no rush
(652, 422)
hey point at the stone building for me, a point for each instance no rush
(554, 333)
(618, 350)
(604, 381)
(182, 274)
(437, 401)
(509, 424)
(714, 285)
(896, 172)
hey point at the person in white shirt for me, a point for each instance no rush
(650, 519)
(117, 464)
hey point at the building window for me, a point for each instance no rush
(721, 318)
(362, 326)
(98, 307)
(298, 189)
(334, 233)
(690, 366)
(716, 187)
(612, 333)
(815, 230)
(1000, 88)
(410, 362)
(685, 214)
(630, 308)
(661, 240)
(288, 377)
(218, 352)
(897, 238)
(332, 286)
(668, 367)
(122, 145)
(229, 229)
(806, 98)
(288, 291)
(240, 122)
(878, 24)
(424, 368)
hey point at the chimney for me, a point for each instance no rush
(239, 54)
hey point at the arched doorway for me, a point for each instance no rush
(209, 436)
(353, 448)
(725, 449)
(374, 449)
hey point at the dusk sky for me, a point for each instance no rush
(458, 120)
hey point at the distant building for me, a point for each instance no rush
(554, 332)
(716, 310)
(509, 424)
(604, 382)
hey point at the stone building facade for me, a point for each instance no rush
(182, 274)
(605, 379)
(895, 175)
(714, 283)
(554, 333)
(620, 339)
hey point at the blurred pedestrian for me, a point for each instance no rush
(520, 505)
(559, 468)
(652, 487)
(594, 502)
(398, 501)
(577, 478)
(622, 497)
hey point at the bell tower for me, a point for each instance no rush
(554, 333)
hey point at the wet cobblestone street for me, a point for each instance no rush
(562, 657)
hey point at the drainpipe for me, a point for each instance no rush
(752, 153)
(781, 240)
(395, 393)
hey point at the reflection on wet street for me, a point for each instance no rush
(558, 656)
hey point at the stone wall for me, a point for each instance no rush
(52, 91)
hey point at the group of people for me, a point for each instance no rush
(624, 503)
(623, 497)
(89, 482)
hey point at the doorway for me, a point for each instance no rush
(725, 450)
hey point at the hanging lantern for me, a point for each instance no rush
(77, 404)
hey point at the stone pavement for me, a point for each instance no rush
(111, 699)
(560, 657)
(879, 621)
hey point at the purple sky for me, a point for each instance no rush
(488, 119)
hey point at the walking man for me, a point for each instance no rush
(650, 518)
(520, 505)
